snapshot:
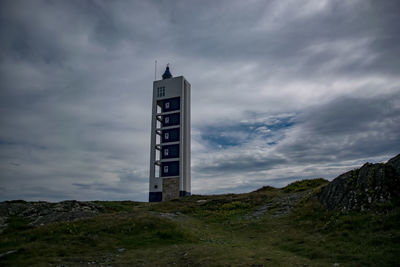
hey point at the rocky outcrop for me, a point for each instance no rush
(280, 205)
(41, 213)
(371, 186)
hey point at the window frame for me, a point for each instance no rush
(161, 91)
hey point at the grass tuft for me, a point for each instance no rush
(304, 185)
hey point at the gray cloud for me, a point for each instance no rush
(347, 128)
(325, 141)
(75, 91)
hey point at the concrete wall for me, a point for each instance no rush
(170, 188)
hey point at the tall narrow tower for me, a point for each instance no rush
(170, 139)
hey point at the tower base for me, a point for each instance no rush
(157, 196)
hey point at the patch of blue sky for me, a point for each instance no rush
(221, 141)
(230, 135)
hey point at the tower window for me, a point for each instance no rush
(170, 151)
(171, 104)
(170, 168)
(166, 119)
(160, 91)
(170, 135)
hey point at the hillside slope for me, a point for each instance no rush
(267, 227)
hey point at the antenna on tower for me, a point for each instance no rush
(155, 70)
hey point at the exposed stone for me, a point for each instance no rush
(279, 206)
(41, 213)
(367, 187)
(7, 253)
(170, 188)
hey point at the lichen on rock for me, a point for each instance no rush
(369, 187)
(41, 213)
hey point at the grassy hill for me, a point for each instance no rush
(267, 227)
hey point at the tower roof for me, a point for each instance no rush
(167, 74)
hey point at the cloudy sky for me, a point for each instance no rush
(281, 90)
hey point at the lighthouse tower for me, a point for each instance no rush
(170, 139)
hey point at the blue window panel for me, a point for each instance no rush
(170, 168)
(155, 196)
(171, 104)
(171, 120)
(171, 151)
(171, 135)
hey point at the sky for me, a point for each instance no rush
(281, 90)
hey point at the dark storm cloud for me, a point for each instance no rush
(297, 33)
(325, 140)
(75, 91)
(347, 128)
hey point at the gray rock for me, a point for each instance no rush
(7, 253)
(41, 213)
(367, 187)
(279, 206)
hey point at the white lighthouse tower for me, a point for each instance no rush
(170, 139)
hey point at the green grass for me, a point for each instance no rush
(115, 206)
(89, 238)
(366, 239)
(304, 185)
(210, 231)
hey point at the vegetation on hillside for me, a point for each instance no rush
(267, 227)
(303, 185)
